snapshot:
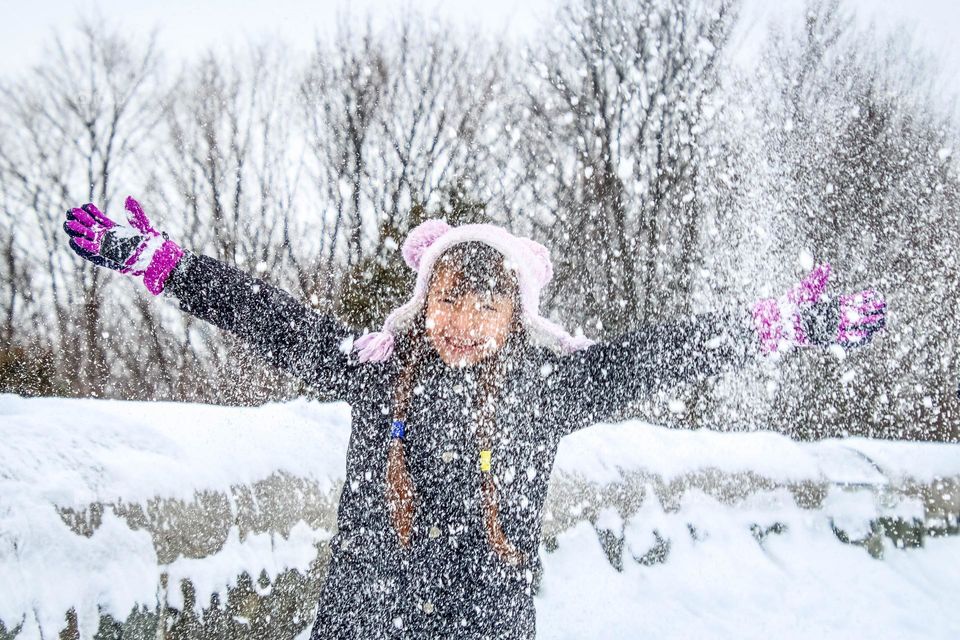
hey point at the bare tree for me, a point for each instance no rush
(227, 178)
(393, 119)
(609, 134)
(79, 117)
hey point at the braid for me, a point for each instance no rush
(491, 379)
(400, 490)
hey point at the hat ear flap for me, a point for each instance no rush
(541, 266)
(419, 240)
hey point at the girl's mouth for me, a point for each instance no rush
(461, 345)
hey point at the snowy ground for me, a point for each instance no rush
(715, 544)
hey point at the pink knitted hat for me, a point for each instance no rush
(530, 260)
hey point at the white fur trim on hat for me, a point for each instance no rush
(427, 241)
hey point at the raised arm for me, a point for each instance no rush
(595, 384)
(286, 333)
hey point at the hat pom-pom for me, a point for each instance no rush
(374, 347)
(419, 240)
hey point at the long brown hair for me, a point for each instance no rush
(478, 268)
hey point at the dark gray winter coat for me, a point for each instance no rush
(449, 583)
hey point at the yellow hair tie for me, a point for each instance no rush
(485, 460)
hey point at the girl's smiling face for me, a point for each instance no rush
(465, 326)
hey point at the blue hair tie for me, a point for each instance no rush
(398, 430)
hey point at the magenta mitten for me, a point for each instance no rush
(805, 316)
(139, 249)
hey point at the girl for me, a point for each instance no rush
(458, 406)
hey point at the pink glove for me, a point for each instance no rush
(138, 250)
(805, 316)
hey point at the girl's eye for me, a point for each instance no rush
(488, 307)
(447, 300)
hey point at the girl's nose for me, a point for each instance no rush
(465, 318)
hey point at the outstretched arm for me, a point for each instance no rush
(593, 385)
(286, 333)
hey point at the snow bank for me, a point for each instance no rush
(69, 467)
(107, 508)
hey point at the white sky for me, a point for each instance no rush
(190, 26)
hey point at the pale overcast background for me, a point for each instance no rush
(190, 26)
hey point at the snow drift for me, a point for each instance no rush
(177, 520)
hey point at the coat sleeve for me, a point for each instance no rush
(283, 331)
(595, 384)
